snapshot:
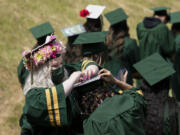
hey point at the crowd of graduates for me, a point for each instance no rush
(102, 82)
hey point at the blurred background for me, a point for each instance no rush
(17, 16)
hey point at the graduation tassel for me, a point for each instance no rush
(31, 68)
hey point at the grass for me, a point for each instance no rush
(17, 16)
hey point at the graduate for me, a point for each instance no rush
(94, 19)
(73, 53)
(123, 50)
(92, 98)
(162, 115)
(154, 36)
(93, 46)
(48, 96)
(175, 20)
(117, 112)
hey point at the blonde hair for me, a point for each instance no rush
(41, 78)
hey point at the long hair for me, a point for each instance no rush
(94, 25)
(73, 52)
(41, 78)
(89, 101)
(156, 97)
(100, 58)
(115, 38)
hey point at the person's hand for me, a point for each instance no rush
(69, 83)
(75, 76)
(90, 71)
(56, 63)
(106, 75)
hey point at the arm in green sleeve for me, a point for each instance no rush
(46, 106)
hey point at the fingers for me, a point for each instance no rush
(88, 74)
(103, 71)
(104, 75)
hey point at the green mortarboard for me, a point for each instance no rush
(160, 10)
(93, 42)
(91, 37)
(154, 69)
(88, 85)
(175, 17)
(42, 30)
(116, 16)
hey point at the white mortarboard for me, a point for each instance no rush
(95, 11)
(73, 30)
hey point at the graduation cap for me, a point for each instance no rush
(73, 30)
(93, 42)
(160, 11)
(41, 31)
(116, 16)
(92, 11)
(154, 69)
(175, 17)
(88, 85)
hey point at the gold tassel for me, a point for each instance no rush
(31, 68)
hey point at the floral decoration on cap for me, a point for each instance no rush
(84, 13)
(51, 50)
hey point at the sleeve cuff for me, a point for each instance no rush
(56, 103)
(87, 63)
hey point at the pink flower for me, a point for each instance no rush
(43, 54)
(52, 37)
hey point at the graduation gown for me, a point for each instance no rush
(122, 114)
(156, 38)
(176, 76)
(22, 73)
(129, 56)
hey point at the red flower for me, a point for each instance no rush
(84, 13)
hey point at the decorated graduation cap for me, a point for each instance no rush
(92, 11)
(93, 42)
(116, 16)
(33, 59)
(41, 31)
(154, 69)
(73, 30)
(175, 17)
(161, 11)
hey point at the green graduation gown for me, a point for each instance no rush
(121, 114)
(130, 55)
(48, 112)
(155, 39)
(176, 76)
(22, 73)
